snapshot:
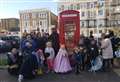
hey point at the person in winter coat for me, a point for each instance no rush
(107, 52)
(14, 61)
(54, 38)
(28, 68)
(30, 40)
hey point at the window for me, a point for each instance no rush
(24, 16)
(83, 24)
(74, 7)
(62, 7)
(39, 15)
(25, 30)
(101, 4)
(100, 25)
(29, 15)
(34, 23)
(83, 14)
(33, 15)
(43, 23)
(94, 14)
(26, 24)
(100, 31)
(100, 12)
(81, 6)
(45, 15)
(92, 5)
(71, 6)
(95, 4)
(40, 22)
(88, 14)
(68, 8)
(78, 6)
(85, 5)
(88, 5)
(59, 9)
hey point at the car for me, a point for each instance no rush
(6, 43)
(2, 42)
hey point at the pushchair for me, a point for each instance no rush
(96, 64)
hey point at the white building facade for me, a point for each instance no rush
(34, 19)
(93, 13)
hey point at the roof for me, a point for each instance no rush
(33, 10)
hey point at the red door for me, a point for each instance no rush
(69, 28)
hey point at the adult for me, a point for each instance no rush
(113, 40)
(14, 61)
(42, 32)
(14, 44)
(115, 45)
(28, 68)
(33, 35)
(93, 50)
(54, 38)
(24, 43)
(107, 52)
(41, 41)
(91, 35)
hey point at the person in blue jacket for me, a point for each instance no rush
(28, 39)
(79, 59)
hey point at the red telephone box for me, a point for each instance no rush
(69, 28)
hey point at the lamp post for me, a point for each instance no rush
(110, 12)
(118, 11)
(97, 14)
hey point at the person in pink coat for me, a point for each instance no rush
(61, 62)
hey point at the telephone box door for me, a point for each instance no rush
(69, 28)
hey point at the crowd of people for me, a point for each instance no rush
(42, 53)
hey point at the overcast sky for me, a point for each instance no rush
(11, 8)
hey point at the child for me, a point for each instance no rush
(50, 56)
(40, 59)
(61, 63)
(79, 57)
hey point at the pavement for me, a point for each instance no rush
(113, 76)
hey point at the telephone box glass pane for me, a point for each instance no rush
(69, 35)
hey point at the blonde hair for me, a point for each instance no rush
(49, 44)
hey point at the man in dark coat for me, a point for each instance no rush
(41, 41)
(54, 38)
(28, 68)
